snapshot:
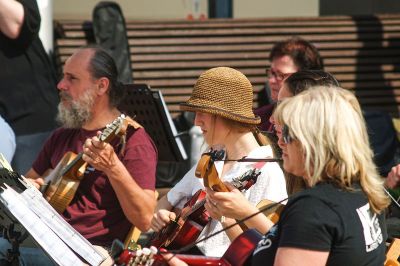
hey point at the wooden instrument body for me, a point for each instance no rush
(61, 184)
(63, 181)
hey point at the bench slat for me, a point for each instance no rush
(362, 52)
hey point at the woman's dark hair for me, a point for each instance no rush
(296, 83)
(103, 65)
(305, 79)
(304, 54)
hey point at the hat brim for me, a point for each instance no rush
(198, 107)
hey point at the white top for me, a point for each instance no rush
(7, 140)
(270, 185)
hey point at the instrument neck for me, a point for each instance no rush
(76, 162)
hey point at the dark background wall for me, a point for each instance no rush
(358, 7)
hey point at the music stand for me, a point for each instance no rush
(148, 108)
(10, 228)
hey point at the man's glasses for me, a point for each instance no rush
(277, 75)
(285, 135)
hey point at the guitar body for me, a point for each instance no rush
(237, 254)
(62, 183)
(188, 225)
(61, 188)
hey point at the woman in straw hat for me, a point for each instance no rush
(222, 100)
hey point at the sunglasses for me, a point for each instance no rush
(285, 135)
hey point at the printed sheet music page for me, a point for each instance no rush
(59, 239)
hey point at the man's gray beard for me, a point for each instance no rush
(79, 112)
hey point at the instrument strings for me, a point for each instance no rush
(246, 159)
(188, 247)
(391, 197)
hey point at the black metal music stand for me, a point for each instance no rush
(13, 231)
(149, 109)
(10, 228)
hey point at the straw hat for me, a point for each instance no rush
(225, 92)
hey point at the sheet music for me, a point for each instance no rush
(58, 238)
(4, 163)
(59, 226)
(45, 237)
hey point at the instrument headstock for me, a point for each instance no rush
(117, 128)
(247, 179)
(206, 169)
(145, 256)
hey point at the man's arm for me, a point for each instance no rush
(11, 18)
(137, 204)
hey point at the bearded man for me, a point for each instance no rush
(117, 189)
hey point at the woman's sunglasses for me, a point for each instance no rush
(285, 135)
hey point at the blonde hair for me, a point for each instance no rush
(328, 124)
(261, 139)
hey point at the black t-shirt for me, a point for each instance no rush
(28, 93)
(326, 218)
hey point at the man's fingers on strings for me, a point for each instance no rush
(87, 144)
(97, 144)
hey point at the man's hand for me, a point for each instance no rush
(99, 154)
(37, 182)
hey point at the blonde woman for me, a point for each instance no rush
(222, 100)
(339, 219)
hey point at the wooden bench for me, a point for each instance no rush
(362, 52)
